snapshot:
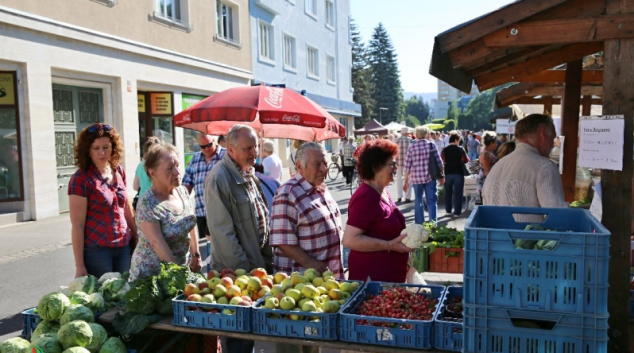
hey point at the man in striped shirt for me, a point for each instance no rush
(403, 143)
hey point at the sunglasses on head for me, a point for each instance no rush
(202, 147)
(97, 127)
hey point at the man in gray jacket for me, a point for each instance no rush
(237, 210)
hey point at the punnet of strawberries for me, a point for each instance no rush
(396, 303)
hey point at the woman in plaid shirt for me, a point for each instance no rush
(100, 209)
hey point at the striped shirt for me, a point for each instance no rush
(309, 217)
(403, 143)
(417, 161)
(348, 153)
(195, 176)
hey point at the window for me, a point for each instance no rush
(290, 52)
(330, 69)
(10, 151)
(330, 14)
(312, 55)
(225, 21)
(169, 9)
(311, 8)
(266, 41)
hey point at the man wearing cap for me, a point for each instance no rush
(403, 143)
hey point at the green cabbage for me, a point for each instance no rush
(76, 350)
(113, 345)
(14, 345)
(46, 343)
(52, 306)
(77, 312)
(80, 298)
(75, 333)
(99, 336)
(97, 303)
(86, 284)
(44, 327)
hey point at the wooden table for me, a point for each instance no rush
(165, 324)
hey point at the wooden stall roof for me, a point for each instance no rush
(522, 42)
(523, 93)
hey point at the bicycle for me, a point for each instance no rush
(334, 168)
(354, 180)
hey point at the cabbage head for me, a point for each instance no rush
(46, 343)
(77, 312)
(14, 345)
(80, 298)
(86, 284)
(65, 290)
(108, 275)
(97, 303)
(76, 350)
(99, 336)
(113, 345)
(114, 289)
(52, 306)
(44, 327)
(75, 333)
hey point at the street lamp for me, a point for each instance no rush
(381, 109)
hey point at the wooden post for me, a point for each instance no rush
(618, 99)
(548, 105)
(586, 105)
(570, 126)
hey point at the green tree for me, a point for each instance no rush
(481, 109)
(412, 121)
(417, 108)
(388, 92)
(361, 77)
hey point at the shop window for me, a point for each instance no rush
(10, 153)
(227, 19)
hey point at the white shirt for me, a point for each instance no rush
(273, 167)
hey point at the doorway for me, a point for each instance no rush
(155, 117)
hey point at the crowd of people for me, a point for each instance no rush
(253, 221)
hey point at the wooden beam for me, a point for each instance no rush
(543, 101)
(570, 126)
(586, 105)
(509, 14)
(537, 64)
(507, 96)
(559, 76)
(617, 185)
(563, 31)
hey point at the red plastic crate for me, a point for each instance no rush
(447, 260)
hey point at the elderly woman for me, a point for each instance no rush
(487, 157)
(100, 210)
(165, 216)
(375, 225)
(271, 162)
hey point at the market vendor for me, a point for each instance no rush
(165, 216)
(527, 177)
(375, 224)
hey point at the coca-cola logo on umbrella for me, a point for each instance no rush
(291, 118)
(183, 120)
(275, 97)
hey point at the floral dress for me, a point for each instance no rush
(174, 226)
(481, 178)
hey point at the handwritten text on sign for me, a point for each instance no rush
(601, 141)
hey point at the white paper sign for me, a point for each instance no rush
(505, 126)
(601, 141)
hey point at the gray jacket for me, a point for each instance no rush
(231, 220)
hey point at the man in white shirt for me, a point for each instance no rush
(272, 163)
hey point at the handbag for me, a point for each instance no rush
(465, 171)
(435, 170)
(474, 166)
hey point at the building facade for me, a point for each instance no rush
(306, 46)
(129, 64)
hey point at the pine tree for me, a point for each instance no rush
(385, 76)
(361, 77)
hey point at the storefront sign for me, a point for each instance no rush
(7, 94)
(189, 99)
(505, 126)
(140, 98)
(601, 141)
(161, 103)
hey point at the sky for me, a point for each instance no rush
(412, 26)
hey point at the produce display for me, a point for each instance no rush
(396, 303)
(536, 244)
(441, 237)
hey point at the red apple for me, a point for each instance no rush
(226, 281)
(190, 289)
(212, 274)
(259, 273)
(267, 282)
(225, 272)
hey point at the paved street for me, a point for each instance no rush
(36, 258)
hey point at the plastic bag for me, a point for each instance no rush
(414, 277)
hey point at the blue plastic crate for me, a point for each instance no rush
(30, 321)
(571, 278)
(324, 329)
(193, 314)
(447, 334)
(497, 330)
(420, 336)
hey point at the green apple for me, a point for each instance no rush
(325, 297)
(272, 303)
(287, 303)
(295, 294)
(335, 294)
(302, 301)
(331, 307)
(319, 301)
(346, 287)
(342, 301)
(297, 279)
(309, 306)
(331, 284)
(311, 274)
(345, 295)
(241, 282)
(228, 312)
(355, 284)
(233, 291)
(213, 282)
(322, 290)
(208, 298)
(286, 284)
(279, 277)
(235, 301)
(220, 291)
(205, 291)
(277, 289)
(300, 286)
(318, 281)
(295, 316)
(254, 284)
(328, 275)
(239, 272)
(310, 291)
(222, 300)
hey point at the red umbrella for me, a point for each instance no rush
(273, 112)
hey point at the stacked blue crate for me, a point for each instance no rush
(526, 300)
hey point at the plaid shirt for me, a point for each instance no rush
(417, 161)
(403, 143)
(196, 173)
(261, 208)
(348, 153)
(105, 215)
(309, 217)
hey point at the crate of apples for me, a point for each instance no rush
(303, 305)
(224, 301)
